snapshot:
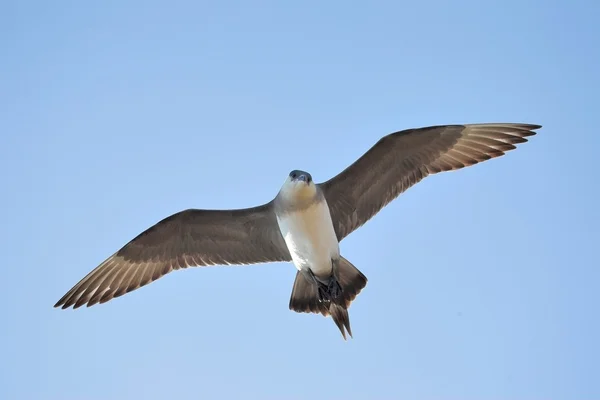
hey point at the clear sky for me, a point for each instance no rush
(483, 283)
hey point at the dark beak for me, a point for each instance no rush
(303, 178)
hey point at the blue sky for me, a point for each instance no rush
(483, 283)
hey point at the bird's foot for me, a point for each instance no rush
(323, 292)
(334, 288)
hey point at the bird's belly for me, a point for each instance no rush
(310, 238)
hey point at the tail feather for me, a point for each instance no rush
(340, 316)
(304, 296)
(351, 280)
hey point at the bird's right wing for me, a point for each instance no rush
(401, 159)
(185, 239)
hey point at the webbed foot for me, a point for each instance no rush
(322, 292)
(334, 288)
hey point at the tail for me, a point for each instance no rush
(305, 297)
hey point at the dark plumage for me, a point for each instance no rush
(198, 237)
(401, 159)
(185, 239)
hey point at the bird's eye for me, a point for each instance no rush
(293, 175)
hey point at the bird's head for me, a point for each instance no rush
(299, 185)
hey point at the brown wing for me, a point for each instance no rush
(401, 159)
(185, 239)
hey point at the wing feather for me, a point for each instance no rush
(185, 239)
(402, 159)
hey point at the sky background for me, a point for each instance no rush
(483, 283)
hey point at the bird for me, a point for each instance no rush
(303, 224)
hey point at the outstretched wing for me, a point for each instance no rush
(401, 159)
(185, 239)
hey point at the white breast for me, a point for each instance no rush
(310, 238)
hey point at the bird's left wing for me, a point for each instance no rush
(402, 159)
(185, 239)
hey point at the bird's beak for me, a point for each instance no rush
(303, 178)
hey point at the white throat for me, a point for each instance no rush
(297, 193)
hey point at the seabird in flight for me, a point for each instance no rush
(303, 224)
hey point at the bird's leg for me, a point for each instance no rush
(334, 288)
(322, 289)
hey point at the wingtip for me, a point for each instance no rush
(531, 128)
(64, 303)
(61, 306)
(521, 125)
(528, 126)
(59, 303)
